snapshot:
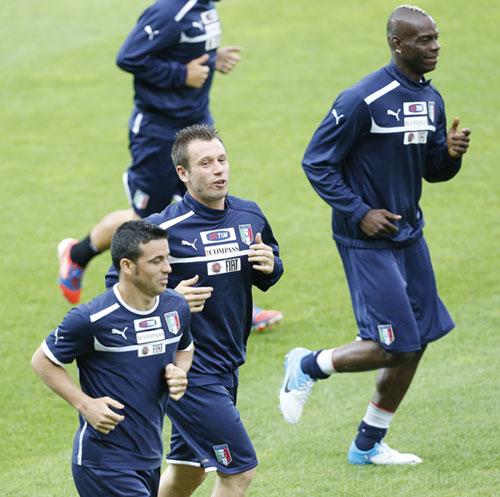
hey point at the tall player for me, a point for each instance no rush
(228, 245)
(367, 160)
(133, 347)
(172, 52)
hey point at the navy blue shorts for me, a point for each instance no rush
(207, 431)
(92, 482)
(394, 296)
(151, 181)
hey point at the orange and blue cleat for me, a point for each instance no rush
(70, 273)
(263, 319)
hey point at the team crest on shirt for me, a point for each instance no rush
(222, 454)
(431, 106)
(246, 233)
(386, 334)
(173, 322)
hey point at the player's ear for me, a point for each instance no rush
(126, 266)
(182, 172)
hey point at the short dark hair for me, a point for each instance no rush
(399, 13)
(185, 136)
(128, 238)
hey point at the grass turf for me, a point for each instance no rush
(63, 124)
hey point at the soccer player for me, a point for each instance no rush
(133, 347)
(367, 160)
(226, 244)
(172, 52)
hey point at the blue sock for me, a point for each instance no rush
(309, 365)
(368, 436)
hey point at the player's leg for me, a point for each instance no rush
(377, 288)
(233, 485)
(207, 432)
(149, 183)
(432, 322)
(180, 480)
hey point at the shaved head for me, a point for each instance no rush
(402, 18)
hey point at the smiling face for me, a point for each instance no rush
(413, 38)
(149, 273)
(207, 177)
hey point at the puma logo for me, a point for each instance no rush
(114, 331)
(56, 334)
(189, 244)
(150, 32)
(392, 113)
(336, 116)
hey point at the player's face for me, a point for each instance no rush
(207, 178)
(419, 47)
(151, 269)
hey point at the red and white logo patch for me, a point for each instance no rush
(386, 334)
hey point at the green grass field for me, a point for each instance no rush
(63, 114)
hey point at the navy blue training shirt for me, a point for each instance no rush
(121, 353)
(168, 35)
(380, 138)
(214, 244)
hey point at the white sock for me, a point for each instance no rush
(375, 416)
(324, 361)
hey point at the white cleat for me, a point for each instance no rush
(381, 454)
(296, 386)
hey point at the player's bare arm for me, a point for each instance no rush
(97, 412)
(457, 141)
(261, 256)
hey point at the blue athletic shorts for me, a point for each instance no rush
(394, 296)
(93, 482)
(151, 181)
(207, 431)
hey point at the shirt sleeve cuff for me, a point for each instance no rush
(360, 211)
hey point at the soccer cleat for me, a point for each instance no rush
(380, 454)
(263, 319)
(70, 273)
(296, 386)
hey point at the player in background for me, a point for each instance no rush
(226, 244)
(367, 160)
(172, 52)
(133, 347)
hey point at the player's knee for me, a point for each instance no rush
(399, 358)
(236, 485)
(180, 480)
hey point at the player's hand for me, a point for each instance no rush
(227, 58)
(195, 295)
(457, 141)
(377, 222)
(98, 413)
(197, 71)
(176, 379)
(261, 256)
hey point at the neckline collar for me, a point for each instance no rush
(203, 210)
(405, 80)
(132, 309)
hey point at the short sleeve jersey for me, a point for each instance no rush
(121, 353)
